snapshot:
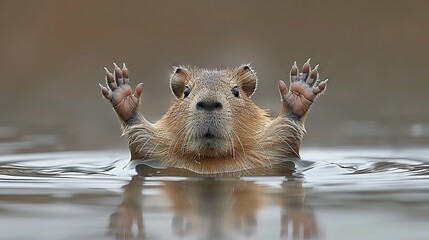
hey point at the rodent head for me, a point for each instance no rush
(209, 108)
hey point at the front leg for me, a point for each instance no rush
(305, 87)
(126, 104)
(287, 130)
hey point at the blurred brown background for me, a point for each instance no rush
(52, 54)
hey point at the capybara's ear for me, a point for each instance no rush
(178, 81)
(246, 79)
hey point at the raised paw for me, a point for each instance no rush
(304, 89)
(119, 92)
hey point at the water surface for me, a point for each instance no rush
(343, 193)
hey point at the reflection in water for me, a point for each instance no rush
(130, 211)
(214, 207)
(356, 193)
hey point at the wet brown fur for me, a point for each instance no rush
(253, 138)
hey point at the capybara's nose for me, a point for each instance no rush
(209, 105)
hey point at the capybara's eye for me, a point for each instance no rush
(235, 91)
(187, 91)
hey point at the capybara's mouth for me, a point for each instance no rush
(209, 140)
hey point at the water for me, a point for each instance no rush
(344, 193)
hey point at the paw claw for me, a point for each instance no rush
(283, 89)
(305, 70)
(316, 67)
(139, 90)
(110, 80)
(314, 75)
(320, 87)
(125, 74)
(325, 83)
(118, 75)
(106, 92)
(294, 73)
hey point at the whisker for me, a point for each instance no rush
(238, 138)
(256, 141)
